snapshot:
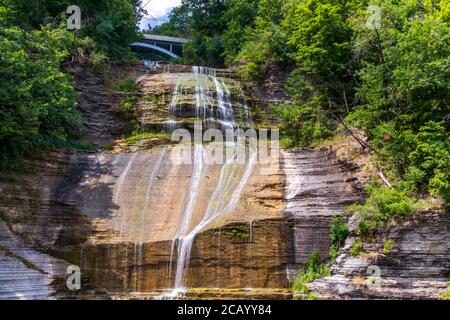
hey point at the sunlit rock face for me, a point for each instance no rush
(262, 242)
(316, 190)
(137, 204)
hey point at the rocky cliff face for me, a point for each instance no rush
(418, 267)
(116, 213)
(414, 266)
(316, 190)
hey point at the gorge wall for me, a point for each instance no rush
(125, 211)
(116, 213)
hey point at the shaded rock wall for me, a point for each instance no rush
(417, 268)
(26, 273)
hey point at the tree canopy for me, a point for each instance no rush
(38, 100)
(379, 65)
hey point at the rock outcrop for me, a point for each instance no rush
(416, 267)
(316, 190)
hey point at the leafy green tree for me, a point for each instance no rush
(240, 17)
(321, 35)
(113, 24)
(37, 101)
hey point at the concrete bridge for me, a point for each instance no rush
(168, 46)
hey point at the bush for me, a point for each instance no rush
(388, 246)
(446, 295)
(302, 124)
(382, 204)
(339, 231)
(128, 85)
(355, 249)
(313, 270)
(241, 232)
(99, 61)
(366, 228)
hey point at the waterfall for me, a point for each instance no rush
(122, 178)
(231, 183)
(219, 204)
(177, 94)
(225, 114)
(194, 186)
(203, 94)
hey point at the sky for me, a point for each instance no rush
(158, 11)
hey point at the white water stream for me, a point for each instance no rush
(232, 180)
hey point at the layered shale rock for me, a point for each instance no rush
(136, 219)
(316, 190)
(416, 267)
(175, 100)
(26, 273)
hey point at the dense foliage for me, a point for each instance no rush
(379, 65)
(37, 100)
(112, 24)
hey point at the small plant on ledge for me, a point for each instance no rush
(241, 232)
(313, 270)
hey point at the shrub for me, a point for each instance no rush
(4, 216)
(99, 61)
(446, 295)
(304, 123)
(366, 228)
(313, 270)
(388, 246)
(128, 85)
(355, 249)
(239, 232)
(382, 204)
(339, 231)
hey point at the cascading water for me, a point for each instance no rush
(194, 186)
(223, 200)
(225, 114)
(232, 180)
(203, 93)
(213, 100)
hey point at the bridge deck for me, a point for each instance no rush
(153, 37)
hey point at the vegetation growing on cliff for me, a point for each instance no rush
(446, 295)
(313, 270)
(339, 231)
